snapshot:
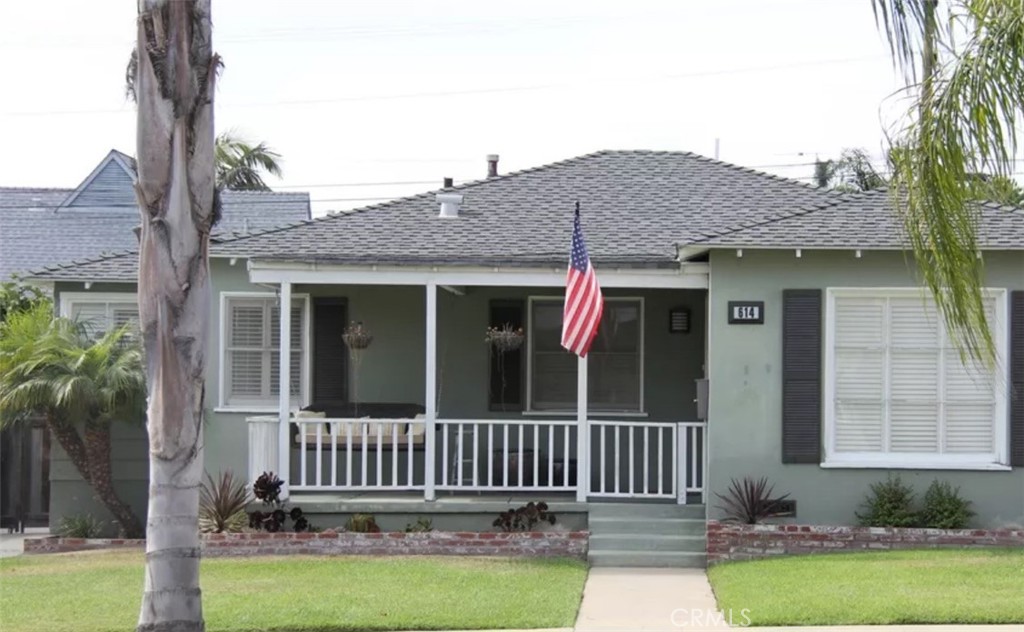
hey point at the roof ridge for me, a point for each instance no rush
(54, 189)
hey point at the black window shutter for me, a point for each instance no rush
(505, 390)
(330, 356)
(1017, 378)
(801, 376)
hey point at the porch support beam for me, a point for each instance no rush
(582, 433)
(689, 276)
(284, 384)
(430, 396)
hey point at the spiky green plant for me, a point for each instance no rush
(222, 504)
(51, 368)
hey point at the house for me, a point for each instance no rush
(41, 227)
(754, 326)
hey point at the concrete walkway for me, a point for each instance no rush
(681, 600)
(11, 544)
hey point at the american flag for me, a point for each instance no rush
(584, 302)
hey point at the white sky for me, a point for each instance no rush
(386, 91)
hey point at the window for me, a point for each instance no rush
(251, 353)
(614, 370)
(100, 313)
(898, 394)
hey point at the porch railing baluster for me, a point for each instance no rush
(476, 455)
(490, 455)
(551, 457)
(334, 454)
(395, 445)
(302, 453)
(647, 471)
(319, 454)
(364, 481)
(519, 461)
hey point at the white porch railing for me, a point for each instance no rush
(647, 459)
(627, 459)
(361, 454)
(507, 455)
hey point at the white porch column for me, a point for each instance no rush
(430, 396)
(284, 384)
(582, 434)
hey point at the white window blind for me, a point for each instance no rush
(252, 355)
(614, 369)
(899, 387)
(102, 315)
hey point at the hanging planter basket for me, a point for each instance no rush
(505, 338)
(357, 337)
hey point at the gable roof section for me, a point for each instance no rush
(636, 206)
(858, 221)
(111, 184)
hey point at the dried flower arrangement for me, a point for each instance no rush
(357, 336)
(505, 338)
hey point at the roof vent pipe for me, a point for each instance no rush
(448, 183)
(450, 203)
(492, 165)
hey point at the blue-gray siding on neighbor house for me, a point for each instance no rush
(745, 422)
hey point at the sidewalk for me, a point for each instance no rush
(11, 544)
(681, 600)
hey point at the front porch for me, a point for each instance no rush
(533, 423)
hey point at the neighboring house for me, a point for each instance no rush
(826, 362)
(42, 227)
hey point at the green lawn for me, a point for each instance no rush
(959, 586)
(92, 592)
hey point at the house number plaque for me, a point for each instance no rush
(746, 312)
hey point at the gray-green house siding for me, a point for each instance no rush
(745, 425)
(393, 368)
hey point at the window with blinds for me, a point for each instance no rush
(252, 355)
(614, 371)
(104, 313)
(900, 394)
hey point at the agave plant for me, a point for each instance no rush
(222, 504)
(750, 501)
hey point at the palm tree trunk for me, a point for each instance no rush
(173, 86)
(72, 444)
(97, 449)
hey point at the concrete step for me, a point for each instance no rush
(643, 511)
(663, 543)
(641, 526)
(648, 559)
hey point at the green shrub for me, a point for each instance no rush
(362, 523)
(944, 508)
(79, 526)
(422, 525)
(890, 504)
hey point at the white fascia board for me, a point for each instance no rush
(687, 276)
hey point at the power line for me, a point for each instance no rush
(479, 91)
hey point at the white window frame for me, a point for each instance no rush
(530, 411)
(999, 460)
(306, 363)
(68, 300)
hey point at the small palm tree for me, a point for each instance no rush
(240, 164)
(50, 367)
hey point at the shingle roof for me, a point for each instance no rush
(39, 229)
(863, 220)
(636, 206)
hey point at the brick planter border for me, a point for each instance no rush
(730, 541)
(531, 544)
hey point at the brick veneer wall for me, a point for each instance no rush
(532, 544)
(732, 541)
